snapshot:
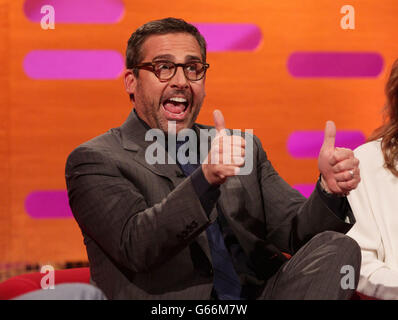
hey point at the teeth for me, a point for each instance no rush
(178, 99)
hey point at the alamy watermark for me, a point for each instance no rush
(48, 280)
(348, 20)
(191, 152)
(48, 20)
(348, 280)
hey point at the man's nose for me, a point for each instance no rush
(179, 80)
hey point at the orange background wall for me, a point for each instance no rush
(42, 121)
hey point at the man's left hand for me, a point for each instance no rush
(338, 166)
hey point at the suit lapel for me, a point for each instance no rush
(133, 133)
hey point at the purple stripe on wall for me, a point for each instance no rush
(335, 64)
(77, 11)
(73, 64)
(306, 144)
(48, 204)
(230, 36)
(305, 189)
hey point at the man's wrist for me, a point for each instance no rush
(201, 185)
(208, 194)
(326, 191)
(323, 185)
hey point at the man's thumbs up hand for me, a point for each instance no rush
(338, 166)
(226, 154)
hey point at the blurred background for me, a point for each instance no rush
(282, 68)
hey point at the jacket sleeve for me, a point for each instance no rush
(291, 219)
(111, 210)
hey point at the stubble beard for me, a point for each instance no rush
(153, 114)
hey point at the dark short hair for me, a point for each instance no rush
(159, 27)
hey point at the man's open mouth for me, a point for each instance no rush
(175, 108)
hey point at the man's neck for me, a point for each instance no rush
(142, 121)
(173, 136)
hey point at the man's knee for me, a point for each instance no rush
(340, 244)
(338, 238)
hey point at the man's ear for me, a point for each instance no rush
(130, 82)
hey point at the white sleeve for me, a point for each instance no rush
(376, 278)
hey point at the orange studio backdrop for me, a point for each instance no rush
(281, 68)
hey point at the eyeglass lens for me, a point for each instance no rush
(166, 70)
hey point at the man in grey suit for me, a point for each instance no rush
(202, 229)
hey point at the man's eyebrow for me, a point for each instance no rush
(163, 56)
(172, 58)
(192, 58)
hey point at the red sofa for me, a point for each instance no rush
(25, 283)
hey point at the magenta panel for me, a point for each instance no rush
(230, 36)
(306, 144)
(305, 189)
(73, 64)
(77, 11)
(48, 204)
(335, 64)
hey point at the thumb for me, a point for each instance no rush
(219, 121)
(330, 135)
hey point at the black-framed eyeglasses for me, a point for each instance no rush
(165, 70)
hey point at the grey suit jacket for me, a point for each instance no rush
(144, 225)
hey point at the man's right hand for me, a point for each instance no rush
(226, 156)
